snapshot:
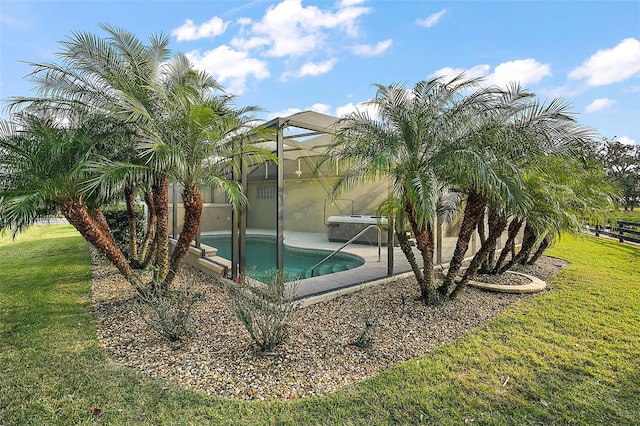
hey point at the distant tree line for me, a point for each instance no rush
(622, 165)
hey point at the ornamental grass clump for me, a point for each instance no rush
(169, 314)
(264, 308)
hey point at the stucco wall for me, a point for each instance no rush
(304, 204)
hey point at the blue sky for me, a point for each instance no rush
(293, 55)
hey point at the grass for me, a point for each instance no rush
(629, 215)
(570, 356)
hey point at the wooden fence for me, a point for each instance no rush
(622, 230)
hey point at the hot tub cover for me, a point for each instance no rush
(357, 219)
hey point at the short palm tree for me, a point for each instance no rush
(404, 143)
(42, 171)
(509, 133)
(174, 128)
(99, 75)
(567, 193)
(198, 139)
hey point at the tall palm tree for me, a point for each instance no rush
(404, 144)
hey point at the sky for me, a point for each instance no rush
(294, 55)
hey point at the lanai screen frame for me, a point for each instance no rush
(319, 130)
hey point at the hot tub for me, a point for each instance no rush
(343, 228)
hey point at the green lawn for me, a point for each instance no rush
(570, 356)
(630, 215)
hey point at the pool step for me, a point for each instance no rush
(329, 269)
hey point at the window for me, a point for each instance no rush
(266, 193)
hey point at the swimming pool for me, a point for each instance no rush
(261, 256)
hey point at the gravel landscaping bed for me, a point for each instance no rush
(319, 356)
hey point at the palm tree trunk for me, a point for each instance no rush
(544, 244)
(97, 215)
(192, 199)
(482, 234)
(472, 213)
(490, 260)
(425, 244)
(481, 231)
(528, 240)
(151, 254)
(512, 232)
(405, 246)
(129, 198)
(161, 202)
(497, 224)
(148, 243)
(78, 215)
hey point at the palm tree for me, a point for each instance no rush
(512, 131)
(404, 143)
(200, 137)
(567, 192)
(99, 75)
(181, 131)
(42, 172)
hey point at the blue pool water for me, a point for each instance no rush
(261, 256)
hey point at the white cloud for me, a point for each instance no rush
(249, 43)
(310, 68)
(431, 20)
(564, 91)
(189, 31)
(599, 104)
(289, 29)
(348, 108)
(611, 65)
(368, 50)
(448, 72)
(230, 67)
(347, 3)
(627, 140)
(345, 109)
(321, 108)
(525, 71)
(284, 113)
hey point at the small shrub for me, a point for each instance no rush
(116, 216)
(264, 308)
(169, 314)
(366, 337)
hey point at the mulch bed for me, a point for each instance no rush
(319, 356)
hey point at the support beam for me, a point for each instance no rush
(390, 245)
(280, 197)
(242, 221)
(391, 238)
(235, 239)
(438, 242)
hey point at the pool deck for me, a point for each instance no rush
(372, 269)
